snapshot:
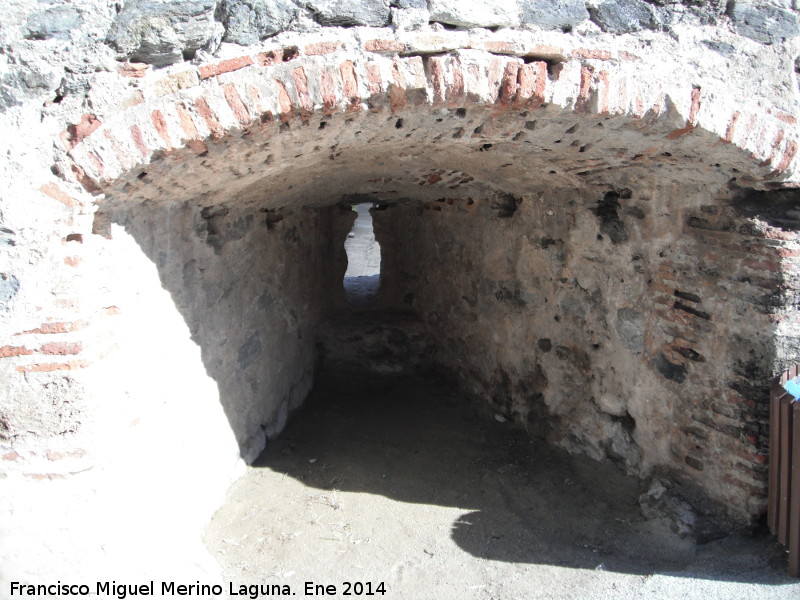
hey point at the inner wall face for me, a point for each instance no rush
(250, 292)
(602, 290)
(620, 324)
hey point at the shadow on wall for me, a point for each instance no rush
(417, 441)
(250, 287)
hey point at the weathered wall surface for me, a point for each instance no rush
(166, 249)
(634, 324)
(208, 348)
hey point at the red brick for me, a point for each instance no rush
(786, 252)
(284, 102)
(45, 476)
(374, 79)
(589, 53)
(11, 456)
(160, 124)
(98, 164)
(57, 327)
(397, 98)
(532, 83)
(602, 92)
(89, 184)
(543, 51)
(582, 102)
(49, 367)
(350, 82)
(695, 108)
(498, 47)
(138, 139)
(731, 129)
(788, 156)
(210, 118)
(187, 123)
(9, 351)
(327, 90)
(509, 84)
(235, 102)
(436, 74)
(397, 90)
(322, 48)
(225, 66)
(785, 117)
(77, 132)
(455, 87)
(495, 76)
(190, 129)
(384, 46)
(56, 193)
(62, 348)
(135, 70)
(301, 85)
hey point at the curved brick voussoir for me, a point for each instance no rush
(191, 109)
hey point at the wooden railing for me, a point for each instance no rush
(784, 464)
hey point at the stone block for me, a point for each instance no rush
(54, 23)
(630, 327)
(410, 3)
(249, 21)
(350, 13)
(9, 286)
(503, 13)
(763, 23)
(24, 82)
(623, 16)
(553, 14)
(160, 34)
(410, 19)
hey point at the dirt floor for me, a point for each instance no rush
(402, 485)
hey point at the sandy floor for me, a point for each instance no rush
(403, 483)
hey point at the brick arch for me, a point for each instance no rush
(171, 122)
(188, 108)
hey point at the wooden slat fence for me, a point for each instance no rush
(784, 467)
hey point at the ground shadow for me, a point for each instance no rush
(418, 440)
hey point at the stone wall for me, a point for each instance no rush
(635, 324)
(171, 229)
